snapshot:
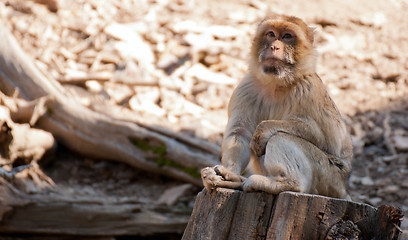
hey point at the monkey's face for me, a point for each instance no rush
(282, 47)
(276, 51)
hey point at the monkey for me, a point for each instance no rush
(282, 119)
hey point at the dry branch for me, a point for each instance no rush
(95, 134)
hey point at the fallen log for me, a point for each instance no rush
(98, 135)
(53, 212)
(232, 214)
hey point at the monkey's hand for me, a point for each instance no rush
(210, 178)
(261, 137)
(219, 176)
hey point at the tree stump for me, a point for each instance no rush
(231, 214)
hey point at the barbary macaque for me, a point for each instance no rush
(282, 117)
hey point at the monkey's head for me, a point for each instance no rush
(282, 50)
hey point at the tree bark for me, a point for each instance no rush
(98, 135)
(232, 214)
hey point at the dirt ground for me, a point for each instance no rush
(176, 62)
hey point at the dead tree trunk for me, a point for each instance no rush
(98, 135)
(232, 214)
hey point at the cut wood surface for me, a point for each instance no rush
(99, 135)
(232, 214)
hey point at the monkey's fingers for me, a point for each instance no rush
(214, 177)
(260, 140)
(228, 175)
(210, 178)
(231, 185)
(257, 146)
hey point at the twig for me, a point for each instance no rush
(82, 77)
(397, 227)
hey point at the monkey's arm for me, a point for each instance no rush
(235, 156)
(235, 146)
(236, 143)
(242, 121)
(307, 130)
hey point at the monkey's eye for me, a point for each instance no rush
(287, 36)
(270, 34)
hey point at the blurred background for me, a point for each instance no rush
(173, 64)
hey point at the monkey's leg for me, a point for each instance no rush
(285, 164)
(219, 176)
(294, 164)
(266, 129)
(310, 169)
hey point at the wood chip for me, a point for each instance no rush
(202, 73)
(132, 44)
(79, 77)
(400, 142)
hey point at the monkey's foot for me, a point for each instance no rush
(219, 176)
(257, 183)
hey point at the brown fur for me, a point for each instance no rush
(282, 115)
